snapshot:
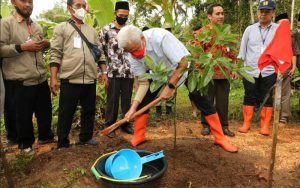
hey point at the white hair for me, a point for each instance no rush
(129, 33)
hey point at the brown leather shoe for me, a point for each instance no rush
(205, 131)
(228, 132)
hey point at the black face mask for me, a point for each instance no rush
(23, 14)
(121, 21)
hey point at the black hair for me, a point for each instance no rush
(211, 7)
(70, 2)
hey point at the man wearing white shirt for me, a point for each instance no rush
(162, 45)
(255, 40)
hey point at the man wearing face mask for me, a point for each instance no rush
(120, 78)
(72, 58)
(162, 45)
(25, 78)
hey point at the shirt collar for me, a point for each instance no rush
(267, 26)
(20, 18)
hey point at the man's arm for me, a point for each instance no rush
(142, 89)
(55, 57)
(10, 50)
(169, 90)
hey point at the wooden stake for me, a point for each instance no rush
(292, 14)
(277, 105)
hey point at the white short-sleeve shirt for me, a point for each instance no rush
(161, 45)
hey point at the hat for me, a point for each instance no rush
(167, 25)
(281, 16)
(122, 5)
(270, 5)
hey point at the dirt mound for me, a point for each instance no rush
(194, 162)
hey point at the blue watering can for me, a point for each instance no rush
(127, 164)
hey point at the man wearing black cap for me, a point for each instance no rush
(255, 40)
(286, 82)
(120, 78)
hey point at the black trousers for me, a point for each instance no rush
(28, 100)
(118, 88)
(70, 95)
(218, 95)
(9, 110)
(255, 93)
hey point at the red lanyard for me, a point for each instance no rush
(29, 29)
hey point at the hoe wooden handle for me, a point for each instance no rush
(114, 126)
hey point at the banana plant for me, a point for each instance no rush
(102, 10)
(204, 62)
(5, 9)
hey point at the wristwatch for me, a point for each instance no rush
(171, 86)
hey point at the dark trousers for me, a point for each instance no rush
(149, 97)
(28, 100)
(9, 110)
(255, 93)
(201, 101)
(118, 88)
(218, 95)
(70, 95)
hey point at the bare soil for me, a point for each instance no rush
(194, 162)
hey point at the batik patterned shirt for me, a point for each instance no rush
(117, 60)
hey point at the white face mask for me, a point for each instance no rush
(80, 13)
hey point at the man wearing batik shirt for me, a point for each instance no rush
(218, 89)
(120, 78)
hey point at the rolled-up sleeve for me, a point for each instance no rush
(56, 47)
(243, 46)
(7, 50)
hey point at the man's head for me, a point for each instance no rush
(215, 14)
(122, 12)
(131, 39)
(77, 8)
(23, 7)
(298, 22)
(281, 17)
(266, 11)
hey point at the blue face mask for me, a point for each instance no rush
(298, 30)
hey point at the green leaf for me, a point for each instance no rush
(103, 11)
(296, 79)
(155, 85)
(149, 62)
(207, 75)
(193, 79)
(145, 76)
(245, 75)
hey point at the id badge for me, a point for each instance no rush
(262, 49)
(77, 42)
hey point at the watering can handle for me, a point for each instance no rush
(114, 126)
(152, 157)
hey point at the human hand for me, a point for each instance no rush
(234, 76)
(292, 72)
(54, 86)
(130, 113)
(167, 92)
(32, 46)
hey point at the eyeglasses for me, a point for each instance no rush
(78, 6)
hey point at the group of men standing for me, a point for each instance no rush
(123, 49)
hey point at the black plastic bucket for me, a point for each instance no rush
(150, 177)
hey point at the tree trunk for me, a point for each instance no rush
(251, 11)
